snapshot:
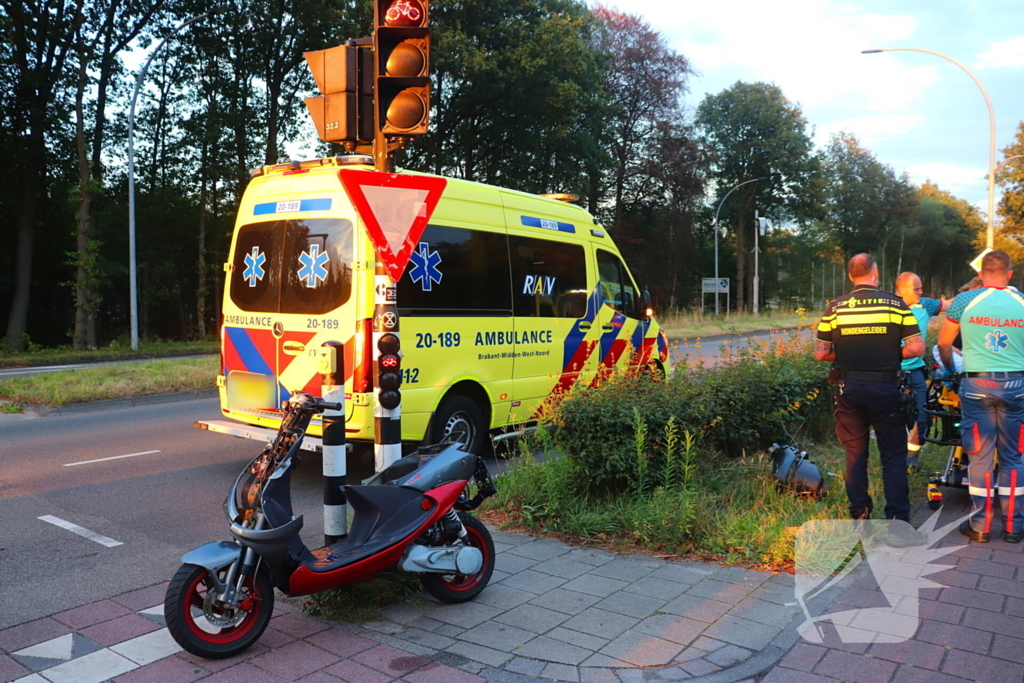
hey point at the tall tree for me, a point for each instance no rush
(755, 132)
(1010, 236)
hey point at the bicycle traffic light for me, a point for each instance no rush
(401, 46)
(389, 370)
(344, 75)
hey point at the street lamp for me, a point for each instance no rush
(715, 224)
(991, 136)
(133, 286)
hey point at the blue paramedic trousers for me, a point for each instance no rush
(918, 382)
(993, 420)
(861, 406)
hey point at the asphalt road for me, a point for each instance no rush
(712, 349)
(8, 373)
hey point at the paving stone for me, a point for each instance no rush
(598, 675)
(513, 563)
(952, 635)
(856, 668)
(168, 670)
(986, 568)
(591, 556)
(386, 627)
(298, 659)
(699, 667)
(680, 574)
(465, 615)
(298, 625)
(803, 657)
(1004, 557)
(563, 568)
(707, 644)
(941, 611)
(599, 660)
(497, 636)
(408, 613)
(528, 667)
(997, 623)
(11, 670)
(426, 624)
(695, 607)
(118, 630)
(910, 674)
(31, 633)
(510, 538)
(623, 570)
(642, 649)
(592, 584)
(502, 547)
(273, 638)
(719, 590)
(450, 630)
(578, 638)
(439, 673)
(533, 582)
(551, 650)
(728, 656)
(764, 612)
(672, 627)
(426, 638)
(532, 618)
(479, 653)
(101, 665)
(971, 598)
(504, 597)
(973, 551)
(539, 551)
(144, 598)
(497, 576)
(389, 660)
(690, 653)
(913, 652)
(1005, 647)
(740, 575)
(1001, 586)
(782, 675)
(983, 668)
(742, 632)
(656, 588)
(93, 613)
(630, 604)
(599, 623)
(569, 602)
(561, 672)
(673, 673)
(354, 672)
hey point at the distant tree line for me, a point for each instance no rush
(535, 95)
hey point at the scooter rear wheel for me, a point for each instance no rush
(207, 628)
(454, 588)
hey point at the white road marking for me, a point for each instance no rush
(113, 457)
(81, 531)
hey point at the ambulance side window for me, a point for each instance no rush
(549, 279)
(617, 288)
(458, 272)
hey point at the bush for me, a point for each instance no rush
(756, 397)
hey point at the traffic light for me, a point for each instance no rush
(345, 111)
(401, 45)
(389, 370)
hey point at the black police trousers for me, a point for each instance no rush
(860, 406)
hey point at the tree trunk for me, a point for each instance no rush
(741, 261)
(201, 294)
(85, 324)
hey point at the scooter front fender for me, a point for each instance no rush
(214, 556)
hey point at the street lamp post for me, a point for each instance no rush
(715, 224)
(133, 285)
(991, 137)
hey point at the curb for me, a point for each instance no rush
(114, 403)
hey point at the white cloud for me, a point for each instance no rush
(949, 176)
(870, 130)
(811, 50)
(1002, 54)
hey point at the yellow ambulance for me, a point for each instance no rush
(508, 299)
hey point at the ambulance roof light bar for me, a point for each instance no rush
(562, 196)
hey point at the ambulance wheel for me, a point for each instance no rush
(460, 419)
(455, 588)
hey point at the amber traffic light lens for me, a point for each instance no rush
(405, 61)
(406, 110)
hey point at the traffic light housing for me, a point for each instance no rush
(401, 48)
(344, 76)
(389, 370)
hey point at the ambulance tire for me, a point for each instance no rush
(460, 417)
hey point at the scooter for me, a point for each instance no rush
(411, 516)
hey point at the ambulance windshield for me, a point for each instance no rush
(293, 266)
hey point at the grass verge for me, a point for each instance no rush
(362, 602)
(109, 381)
(691, 325)
(40, 356)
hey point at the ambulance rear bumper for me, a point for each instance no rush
(310, 443)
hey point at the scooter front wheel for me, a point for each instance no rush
(205, 626)
(454, 588)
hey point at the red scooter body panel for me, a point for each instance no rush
(305, 581)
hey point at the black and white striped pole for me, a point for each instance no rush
(387, 372)
(332, 371)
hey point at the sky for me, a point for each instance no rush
(917, 112)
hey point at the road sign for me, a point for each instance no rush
(976, 263)
(708, 285)
(395, 208)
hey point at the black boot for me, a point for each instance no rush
(977, 536)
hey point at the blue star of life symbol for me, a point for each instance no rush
(997, 340)
(424, 267)
(313, 262)
(254, 266)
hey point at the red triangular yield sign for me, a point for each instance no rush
(395, 208)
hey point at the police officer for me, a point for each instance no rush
(908, 288)
(991, 320)
(867, 333)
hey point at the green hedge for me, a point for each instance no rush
(756, 397)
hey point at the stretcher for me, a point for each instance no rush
(943, 410)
